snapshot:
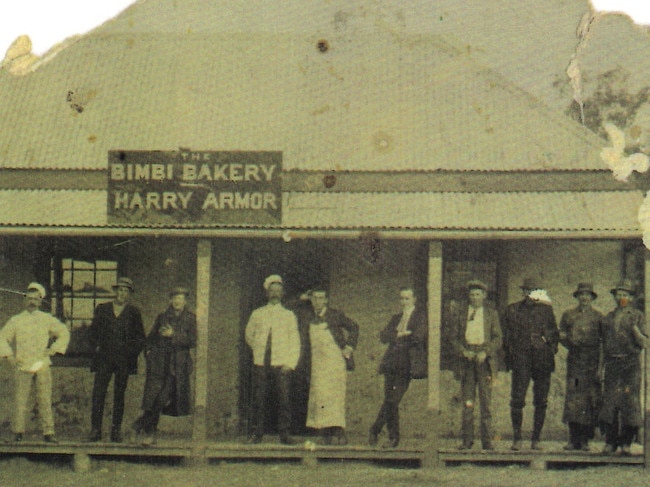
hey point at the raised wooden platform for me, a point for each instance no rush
(310, 454)
(552, 455)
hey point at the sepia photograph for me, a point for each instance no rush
(324, 243)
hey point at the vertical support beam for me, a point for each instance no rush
(203, 264)
(645, 407)
(434, 291)
(434, 295)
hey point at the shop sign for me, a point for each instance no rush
(194, 187)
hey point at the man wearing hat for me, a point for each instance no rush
(476, 338)
(624, 337)
(31, 331)
(167, 389)
(530, 342)
(580, 334)
(272, 334)
(117, 337)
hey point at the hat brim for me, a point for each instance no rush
(613, 291)
(115, 286)
(593, 294)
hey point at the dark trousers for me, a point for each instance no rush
(475, 375)
(395, 386)
(103, 376)
(265, 377)
(522, 373)
(580, 434)
(619, 434)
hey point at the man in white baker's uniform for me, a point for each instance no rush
(30, 332)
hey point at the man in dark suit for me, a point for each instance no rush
(530, 342)
(117, 338)
(405, 334)
(476, 339)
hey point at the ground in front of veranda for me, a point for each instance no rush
(20, 471)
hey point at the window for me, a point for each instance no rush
(77, 287)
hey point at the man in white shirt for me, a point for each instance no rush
(272, 334)
(31, 331)
(476, 339)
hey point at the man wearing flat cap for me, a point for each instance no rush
(272, 334)
(117, 337)
(580, 334)
(530, 342)
(476, 338)
(167, 388)
(31, 331)
(624, 337)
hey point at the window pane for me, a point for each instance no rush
(83, 309)
(83, 281)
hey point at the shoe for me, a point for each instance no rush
(18, 437)
(516, 445)
(287, 440)
(149, 440)
(487, 446)
(625, 451)
(341, 437)
(534, 445)
(391, 444)
(116, 436)
(373, 438)
(585, 446)
(50, 439)
(137, 425)
(465, 446)
(609, 449)
(254, 440)
(94, 436)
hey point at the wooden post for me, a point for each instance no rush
(434, 294)
(645, 363)
(203, 267)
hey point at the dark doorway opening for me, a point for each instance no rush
(302, 264)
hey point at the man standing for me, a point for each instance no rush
(580, 334)
(117, 337)
(272, 334)
(405, 334)
(30, 331)
(624, 337)
(476, 339)
(331, 338)
(530, 342)
(169, 365)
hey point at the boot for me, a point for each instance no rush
(517, 417)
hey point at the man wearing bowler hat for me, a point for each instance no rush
(476, 339)
(624, 337)
(117, 337)
(272, 334)
(580, 334)
(167, 388)
(530, 342)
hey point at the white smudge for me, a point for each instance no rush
(620, 164)
(540, 295)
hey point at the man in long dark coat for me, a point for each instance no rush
(580, 334)
(405, 333)
(117, 337)
(530, 342)
(167, 388)
(624, 337)
(476, 339)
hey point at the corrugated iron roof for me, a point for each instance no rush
(371, 102)
(602, 211)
